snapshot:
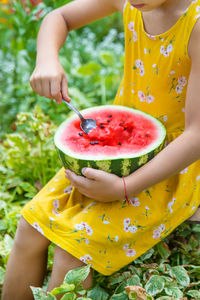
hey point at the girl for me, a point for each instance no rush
(88, 220)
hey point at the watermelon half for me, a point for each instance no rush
(124, 140)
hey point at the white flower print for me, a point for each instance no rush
(131, 26)
(56, 203)
(183, 109)
(37, 227)
(142, 96)
(165, 118)
(156, 234)
(121, 91)
(154, 65)
(162, 49)
(53, 189)
(116, 238)
(134, 36)
(51, 219)
(130, 252)
(84, 224)
(134, 201)
(170, 204)
(198, 177)
(55, 212)
(169, 48)
(166, 51)
(89, 230)
(126, 228)
(78, 226)
(179, 89)
(86, 241)
(172, 72)
(125, 246)
(149, 99)
(138, 63)
(145, 51)
(86, 258)
(184, 171)
(182, 81)
(147, 207)
(127, 221)
(132, 228)
(106, 222)
(142, 72)
(68, 190)
(132, 91)
(161, 227)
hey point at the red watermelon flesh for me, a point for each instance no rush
(117, 132)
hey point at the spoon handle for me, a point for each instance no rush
(74, 109)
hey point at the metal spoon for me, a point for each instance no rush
(86, 124)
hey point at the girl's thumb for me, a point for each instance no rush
(64, 89)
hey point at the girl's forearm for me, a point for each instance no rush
(179, 154)
(51, 36)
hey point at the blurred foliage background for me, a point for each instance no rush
(93, 59)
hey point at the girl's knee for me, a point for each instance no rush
(29, 238)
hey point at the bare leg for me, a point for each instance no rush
(64, 262)
(27, 263)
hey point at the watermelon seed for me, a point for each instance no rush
(110, 116)
(146, 135)
(108, 121)
(125, 128)
(119, 143)
(93, 143)
(80, 133)
(101, 125)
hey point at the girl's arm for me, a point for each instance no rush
(48, 78)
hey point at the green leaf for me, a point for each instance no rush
(193, 293)
(163, 250)
(98, 293)
(69, 296)
(174, 291)
(77, 275)
(164, 298)
(2, 204)
(83, 298)
(63, 288)
(89, 69)
(107, 57)
(196, 227)
(155, 285)
(147, 254)
(39, 294)
(2, 273)
(121, 296)
(181, 275)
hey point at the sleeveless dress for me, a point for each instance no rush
(111, 235)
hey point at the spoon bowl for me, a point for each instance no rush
(86, 124)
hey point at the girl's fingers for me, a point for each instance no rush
(46, 89)
(55, 90)
(78, 181)
(64, 88)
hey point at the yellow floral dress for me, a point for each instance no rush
(111, 235)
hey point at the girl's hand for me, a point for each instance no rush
(98, 185)
(49, 80)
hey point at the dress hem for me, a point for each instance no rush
(59, 242)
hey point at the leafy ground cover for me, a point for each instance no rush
(93, 61)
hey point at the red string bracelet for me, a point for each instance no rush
(125, 193)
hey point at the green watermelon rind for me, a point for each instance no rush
(120, 166)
